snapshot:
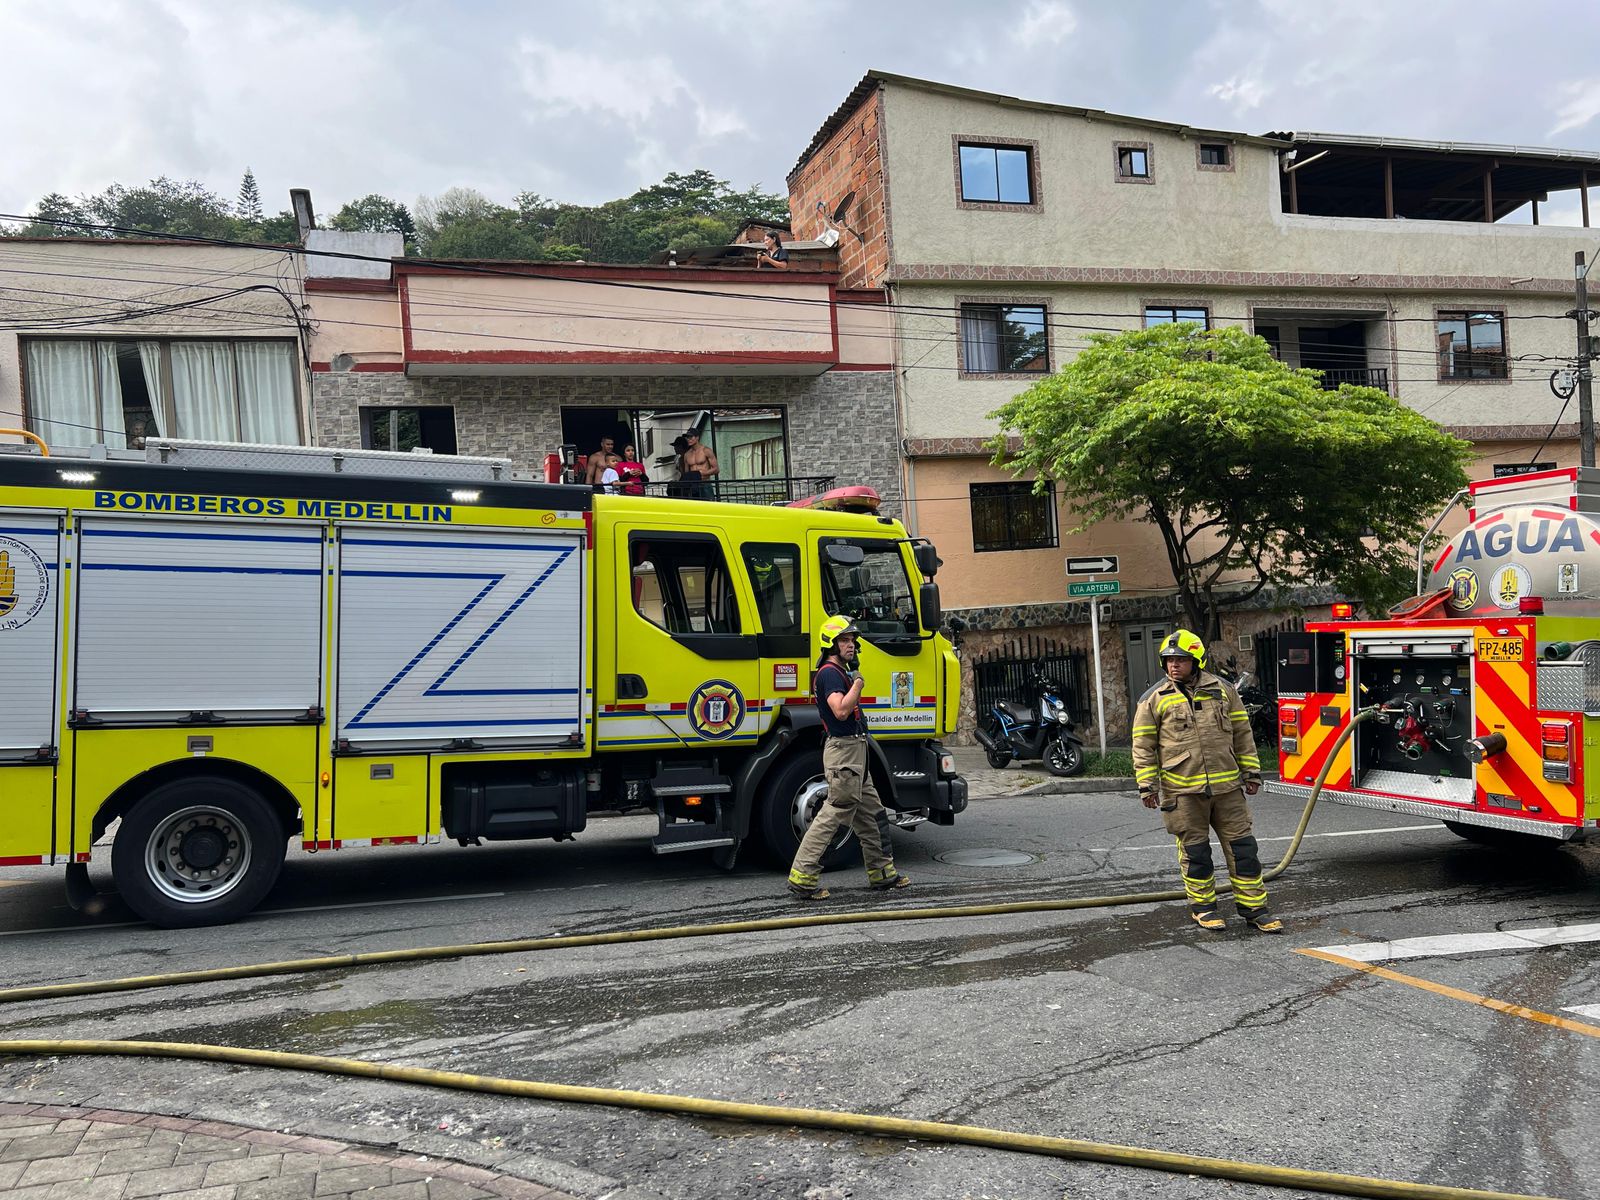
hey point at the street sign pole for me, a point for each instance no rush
(1099, 692)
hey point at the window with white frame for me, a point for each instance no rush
(120, 391)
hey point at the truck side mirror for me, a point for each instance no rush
(845, 554)
(927, 558)
(928, 602)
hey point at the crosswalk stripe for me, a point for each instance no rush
(1444, 945)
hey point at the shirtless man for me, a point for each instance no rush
(602, 458)
(699, 463)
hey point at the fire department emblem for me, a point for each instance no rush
(24, 584)
(1463, 589)
(716, 709)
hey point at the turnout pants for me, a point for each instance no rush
(1190, 819)
(853, 801)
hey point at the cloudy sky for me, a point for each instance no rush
(587, 101)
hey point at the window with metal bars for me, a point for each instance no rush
(1010, 516)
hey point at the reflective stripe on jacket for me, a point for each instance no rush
(1193, 742)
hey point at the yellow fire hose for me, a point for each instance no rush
(860, 1123)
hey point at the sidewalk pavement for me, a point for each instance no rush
(1027, 779)
(55, 1152)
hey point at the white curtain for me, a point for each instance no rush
(204, 391)
(63, 403)
(112, 425)
(980, 340)
(150, 360)
(266, 394)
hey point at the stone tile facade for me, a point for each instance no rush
(1068, 624)
(840, 423)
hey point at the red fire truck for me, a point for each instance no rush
(1487, 683)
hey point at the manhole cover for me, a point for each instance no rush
(987, 858)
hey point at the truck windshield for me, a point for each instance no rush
(875, 594)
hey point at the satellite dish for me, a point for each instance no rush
(343, 362)
(843, 207)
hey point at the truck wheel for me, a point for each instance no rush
(198, 851)
(788, 802)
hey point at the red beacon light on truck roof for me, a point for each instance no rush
(1343, 610)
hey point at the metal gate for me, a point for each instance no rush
(1002, 674)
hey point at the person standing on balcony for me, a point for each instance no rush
(1195, 759)
(631, 472)
(602, 458)
(699, 467)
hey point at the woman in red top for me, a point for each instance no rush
(630, 473)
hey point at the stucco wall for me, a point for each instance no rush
(487, 314)
(1185, 217)
(53, 279)
(835, 420)
(939, 403)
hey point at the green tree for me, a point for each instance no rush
(52, 208)
(248, 206)
(377, 214)
(1256, 478)
(163, 206)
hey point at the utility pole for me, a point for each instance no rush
(1585, 374)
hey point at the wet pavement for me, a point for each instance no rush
(58, 1152)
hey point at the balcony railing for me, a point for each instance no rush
(1372, 377)
(771, 489)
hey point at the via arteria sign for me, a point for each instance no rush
(1497, 561)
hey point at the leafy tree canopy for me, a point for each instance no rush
(1256, 478)
(683, 210)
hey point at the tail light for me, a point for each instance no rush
(1289, 728)
(1555, 748)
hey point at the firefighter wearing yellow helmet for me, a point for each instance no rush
(1195, 759)
(846, 751)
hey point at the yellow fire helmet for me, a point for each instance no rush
(835, 628)
(1183, 643)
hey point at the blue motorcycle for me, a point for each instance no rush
(1042, 730)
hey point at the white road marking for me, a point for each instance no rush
(1167, 846)
(1444, 945)
(1584, 1010)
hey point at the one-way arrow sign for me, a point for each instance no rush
(1106, 564)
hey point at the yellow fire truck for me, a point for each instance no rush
(1486, 685)
(226, 647)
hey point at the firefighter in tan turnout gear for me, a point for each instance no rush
(852, 799)
(1195, 759)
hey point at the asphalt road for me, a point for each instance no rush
(1123, 1025)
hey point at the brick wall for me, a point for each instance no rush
(841, 423)
(850, 160)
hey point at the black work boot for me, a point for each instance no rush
(1206, 916)
(1263, 921)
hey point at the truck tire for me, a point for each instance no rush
(197, 851)
(787, 803)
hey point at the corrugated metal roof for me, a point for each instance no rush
(1474, 149)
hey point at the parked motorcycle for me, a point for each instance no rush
(1263, 712)
(1042, 730)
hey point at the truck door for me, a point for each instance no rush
(686, 645)
(30, 612)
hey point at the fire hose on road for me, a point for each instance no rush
(859, 1123)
